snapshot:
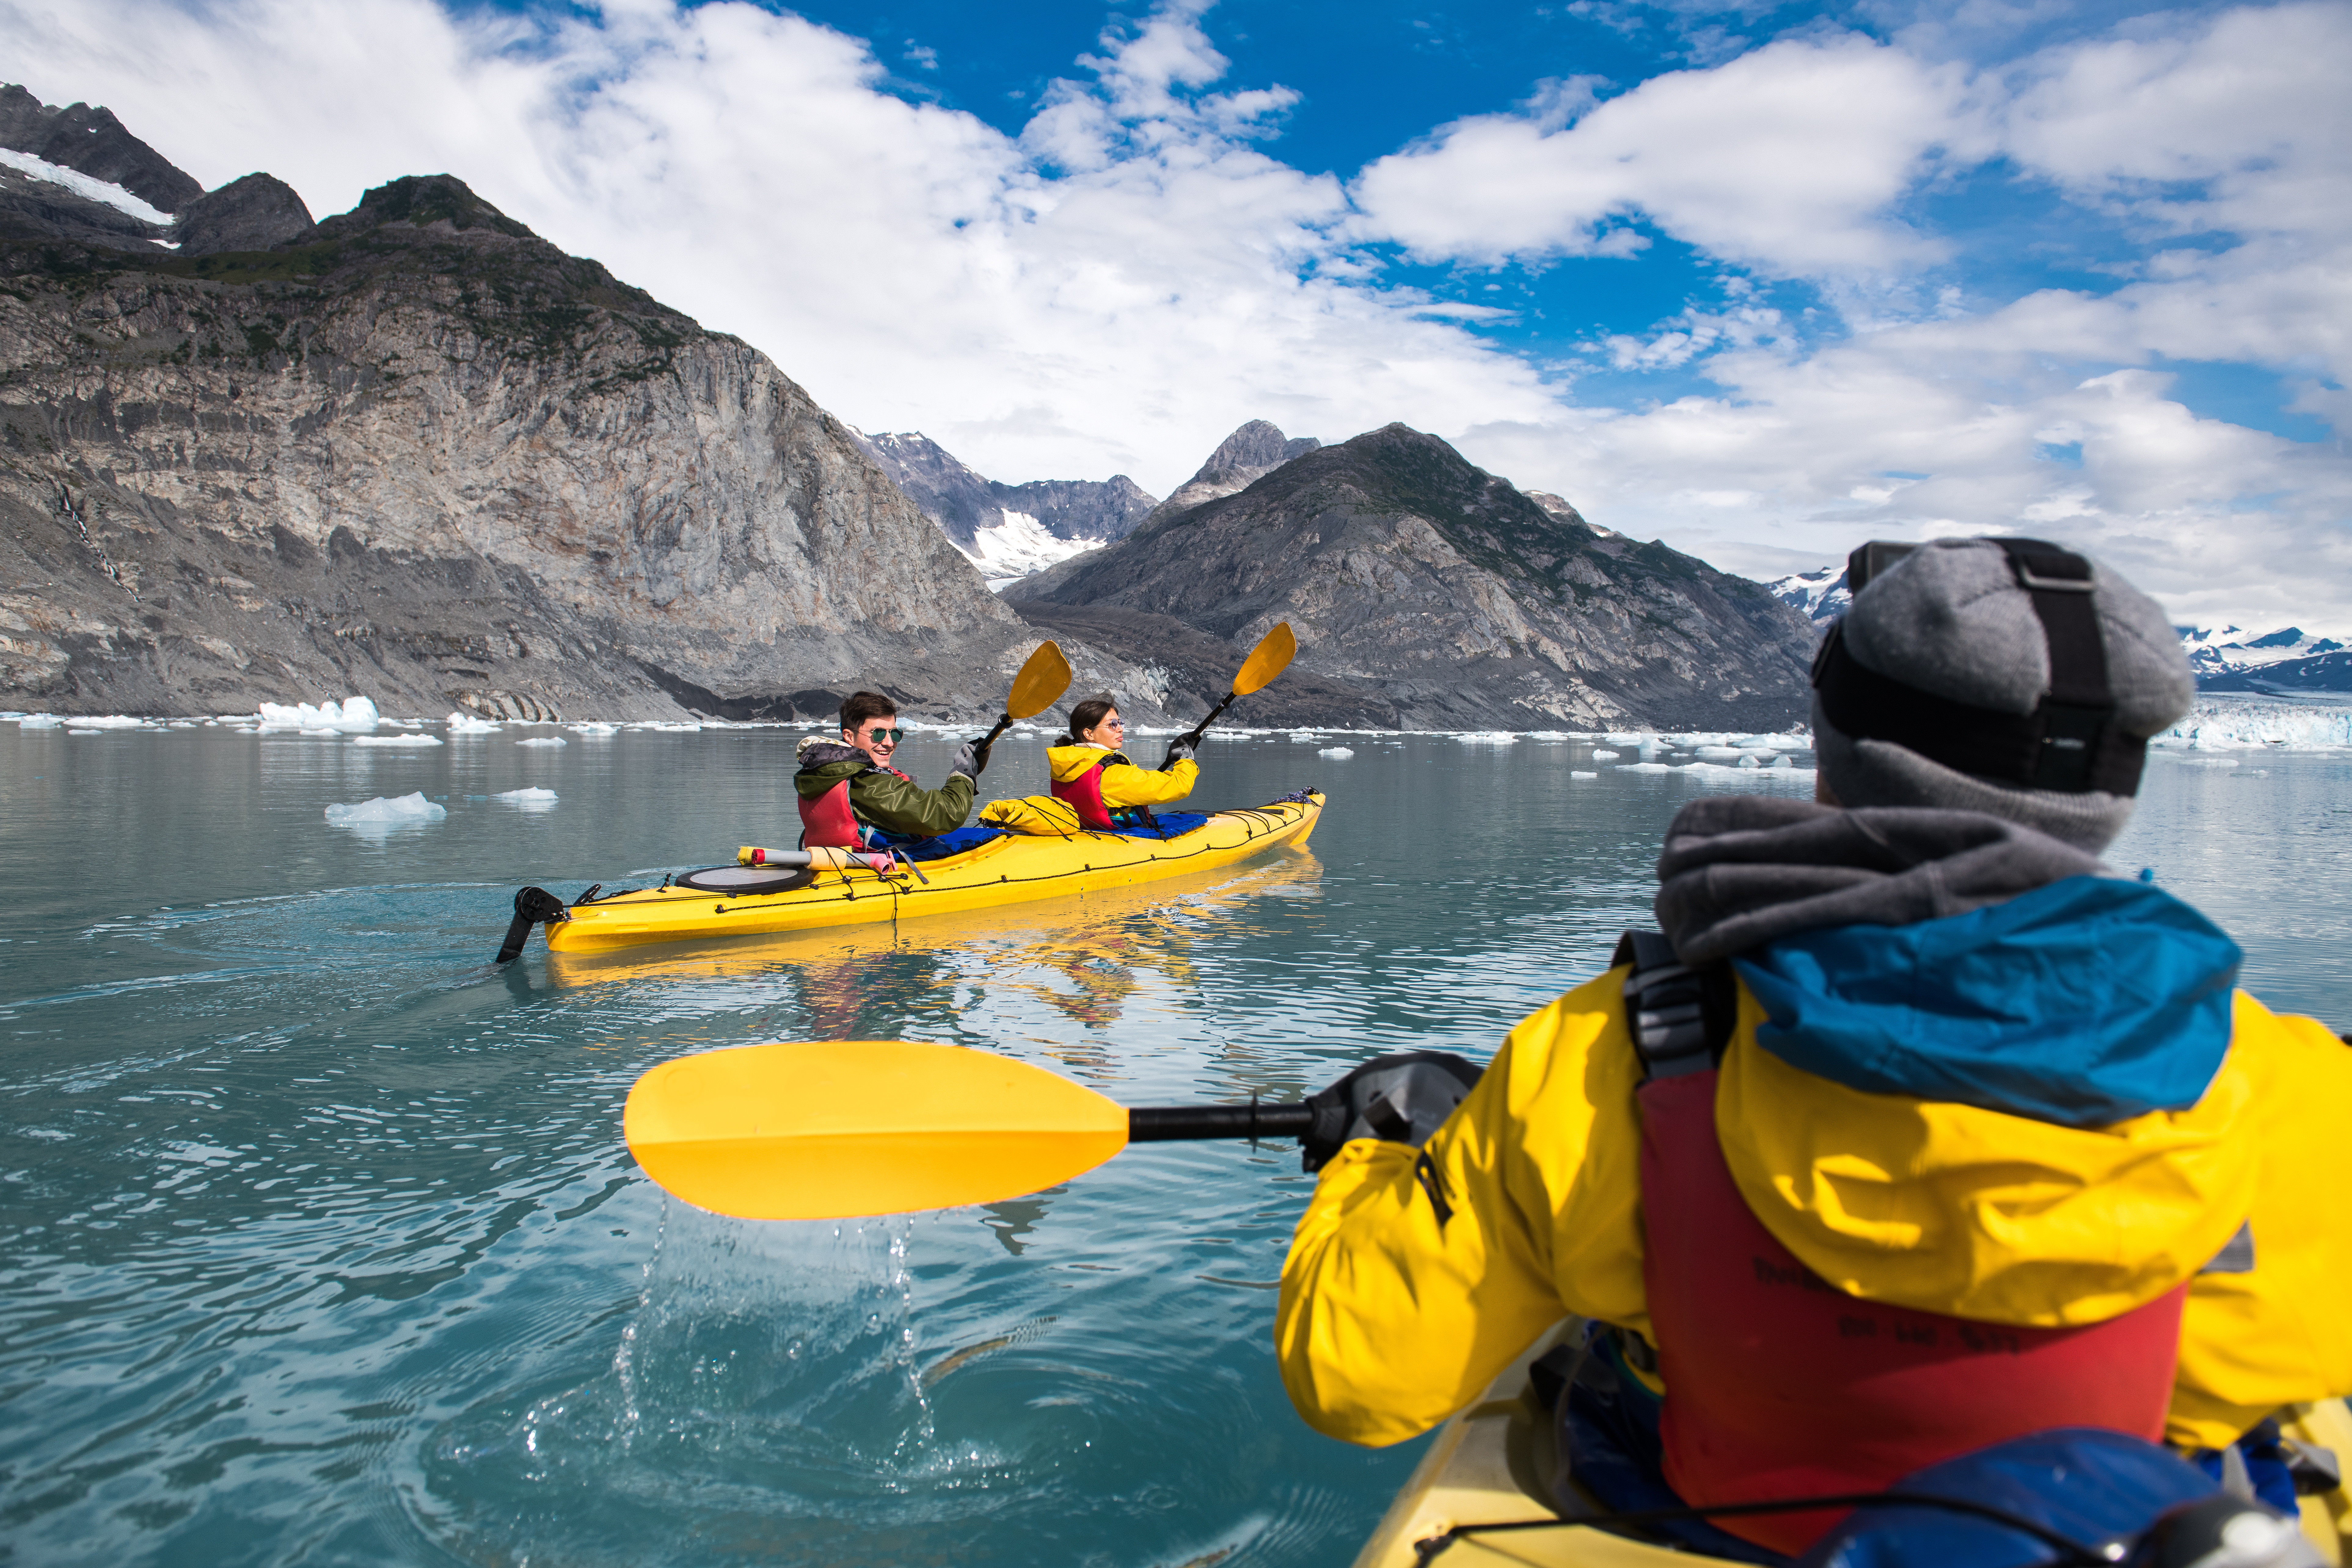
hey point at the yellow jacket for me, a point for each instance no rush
(1123, 784)
(1388, 1323)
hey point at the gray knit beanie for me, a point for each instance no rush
(1951, 619)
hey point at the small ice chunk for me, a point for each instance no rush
(387, 809)
(544, 740)
(1336, 753)
(1748, 762)
(401, 740)
(529, 799)
(351, 713)
(1575, 774)
(467, 724)
(85, 731)
(39, 721)
(1602, 756)
(596, 727)
(1487, 737)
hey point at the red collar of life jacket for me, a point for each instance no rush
(1778, 1384)
(1084, 792)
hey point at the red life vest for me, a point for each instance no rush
(1084, 792)
(1781, 1386)
(827, 822)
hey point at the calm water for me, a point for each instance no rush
(321, 1243)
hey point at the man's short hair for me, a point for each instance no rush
(865, 705)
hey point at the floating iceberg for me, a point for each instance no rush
(525, 795)
(1602, 756)
(1575, 774)
(39, 721)
(1336, 753)
(387, 811)
(1486, 737)
(467, 724)
(409, 739)
(544, 740)
(592, 727)
(351, 713)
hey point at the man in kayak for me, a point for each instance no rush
(1093, 773)
(847, 786)
(1917, 1130)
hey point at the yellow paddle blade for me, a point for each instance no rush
(1041, 682)
(837, 1129)
(1269, 658)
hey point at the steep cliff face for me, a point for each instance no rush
(1417, 579)
(423, 454)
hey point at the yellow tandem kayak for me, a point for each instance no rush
(1490, 1464)
(735, 901)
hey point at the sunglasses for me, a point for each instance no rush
(892, 736)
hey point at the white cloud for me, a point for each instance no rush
(1787, 159)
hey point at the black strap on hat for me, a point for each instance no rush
(2070, 742)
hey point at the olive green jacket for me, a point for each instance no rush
(879, 796)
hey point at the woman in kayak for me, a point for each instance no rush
(1093, 775)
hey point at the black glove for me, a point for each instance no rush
(1180, 749)
(979, 756)
(967, 761)
(1402, 1099)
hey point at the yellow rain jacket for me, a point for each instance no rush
(1123, 784)
(1388, 1322)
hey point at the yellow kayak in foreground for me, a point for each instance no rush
(1491, 1462)
(744, 901)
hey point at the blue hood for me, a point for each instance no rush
(2084, 1003)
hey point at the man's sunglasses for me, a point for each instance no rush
(892, 736)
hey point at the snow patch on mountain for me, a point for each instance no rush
(2290, 659)
(1819, 596)
(1017, 545)
(84, 186)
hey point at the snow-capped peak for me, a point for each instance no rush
(1821, 595)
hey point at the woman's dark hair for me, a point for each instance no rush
(1085, 716)
(863, 705)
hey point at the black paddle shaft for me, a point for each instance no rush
(1167, 1123)
(981, 747)
(1200, 728)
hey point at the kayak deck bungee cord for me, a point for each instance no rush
(796, 890)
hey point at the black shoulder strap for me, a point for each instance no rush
(1682, 1017)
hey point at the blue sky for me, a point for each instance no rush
(1760, 282)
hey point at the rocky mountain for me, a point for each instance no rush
(2286, 661)
(1440, 592)
(81, 176)
(418, 453)
(1241, 460)
(1009, 531)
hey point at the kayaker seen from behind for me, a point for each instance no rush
(1095, 776)
(1917, 1130)
(848, 785)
